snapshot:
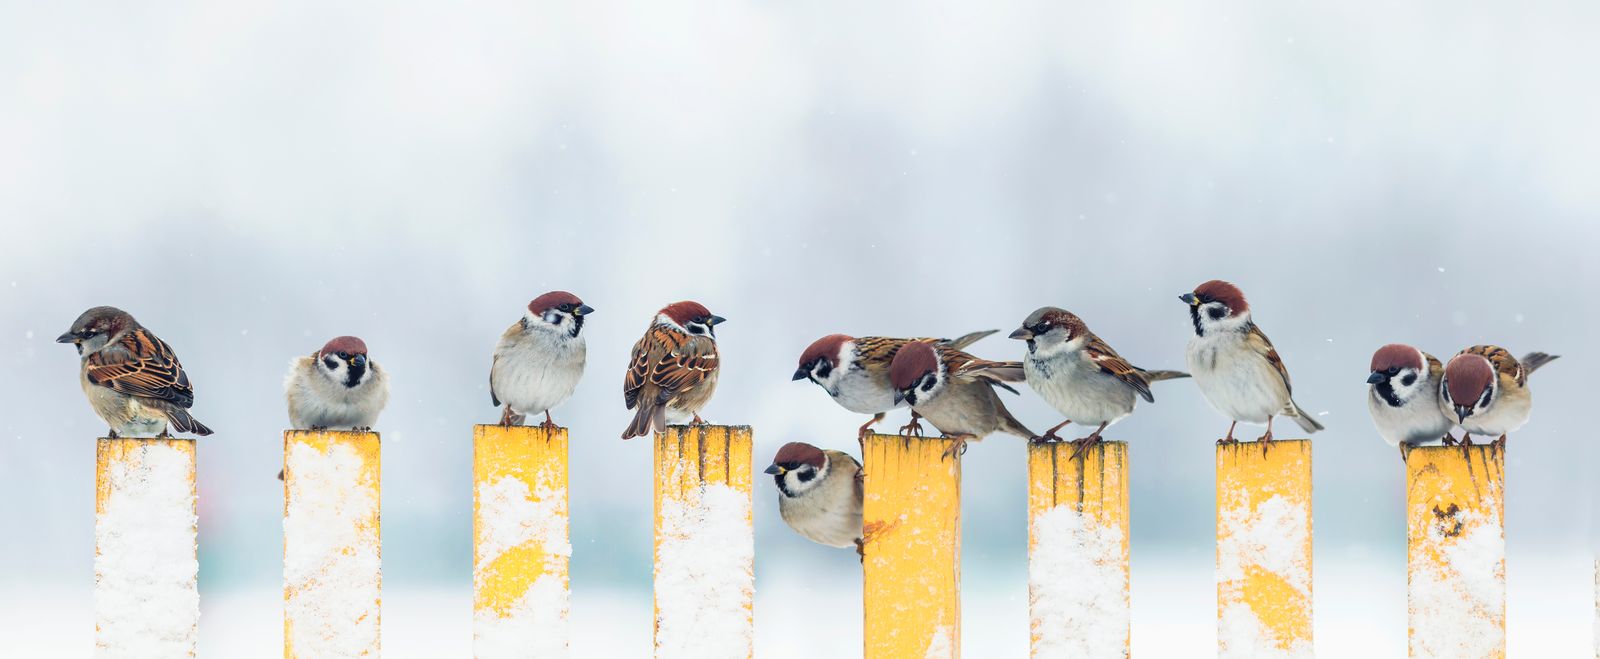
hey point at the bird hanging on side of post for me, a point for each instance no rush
(1486, 390)
(1078, 374)
(1237, 369)
(1403, 397)
(673, 371)
(819, 494)
(954, 391)
(539, 359)
(133, 379)
(855, 371)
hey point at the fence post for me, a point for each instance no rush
(1264, 549)
(1456, 551)
(332, 552)
(912, 563)
(704, 543)
(520, 546)
(146, 599)
(1078, 550)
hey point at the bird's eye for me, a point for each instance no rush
(344, 355)
(565, 307)
(1041, 328)
(1217, 313)
(1393, 370)
(1408, 380)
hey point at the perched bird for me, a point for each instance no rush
(1236, 367)
(955, 392)
(1486, 390)
(1403, 397)
(855, 371)
(674, 368)
(338, 387)
(819, 493)
(540, 358)
(1079, 374)
(133, 380)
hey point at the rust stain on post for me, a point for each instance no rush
(1456, 572)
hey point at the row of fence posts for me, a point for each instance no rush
(147, 601)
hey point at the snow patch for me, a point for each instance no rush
(1242, 635)
(1456, 606)
(705, 577)
(331, 563)
(535, 627)
(146, 602)
(1077, 589)
(942, 645)
(510, 516)
(1270, 539)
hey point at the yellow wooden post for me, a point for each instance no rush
(704, 543)
(332, 551)
(146, 599)
(912, 532)
(1264, 549)
(1456, 551)
(1078, 550)
(520, 546)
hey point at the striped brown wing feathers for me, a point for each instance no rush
(685, 366)
(1261, 345)
(878, 348)
(1504, 363)
(964, 366)
(638, 369)
(140, 364)
(1112, 364)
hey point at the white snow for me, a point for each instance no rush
(330, 562)
(1077, 589)
(1455, 607)
(146, 602)
(1270, 539)
(705, 577)
(510, 516)
(942, 645)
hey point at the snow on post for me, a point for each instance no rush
(146, 598)
(332, 555)
(1456, 551)
(1264, 549)
(912, 563)
(520, 545)
(1078, 550)
(705, 543)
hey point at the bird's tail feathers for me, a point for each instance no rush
(961, 342)
(646, 419)
(1306, 422)
(1157, 376)
(182, 422)
(1533, 360)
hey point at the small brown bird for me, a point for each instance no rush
(855, 371)
(1486, 390)
(1403, 397)
(819, 493)
(674, 368)
(540, 358)
(133, 380)
(955, 392)
(338, 387)
(1234, 364)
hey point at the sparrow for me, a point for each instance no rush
(539, 359)
(819, 493)
(133, 380)
(1486, 390)
(1079, 374)
(338, 387)
(1403, 397)
(1234, 364)
(673, 369)
(955, 392)
(855, 371)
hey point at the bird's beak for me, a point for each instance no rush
(583, 310)
(800, 374)
(775, 470)
(1190, 299)
(1376, 377)
(1022, 334)
(69, 337)
(716, 320)
(1462, 412)
(358, 360)
(899, 397)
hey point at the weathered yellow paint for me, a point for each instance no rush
(1095, 486)
(537, 457)
(912, 533)
(368, 531)
(128, 453)
(1455, 530)
(1264, 548)
(687, 460)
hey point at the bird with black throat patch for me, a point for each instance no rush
(339, 387)
(819, 493)
(1079, 374)
(1237, 369)
(133, 379)
(954, 391)
(1486, 390)
(1403, 397)
(855, 371)
(539, 359)
(674, 367)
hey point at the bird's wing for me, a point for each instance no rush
(1504, 362)
(638, 369)
(878, 349)
(504, 343)
(1099, 353)
(687, 364)
(963, 366)
(1258, 342)
(139, 364)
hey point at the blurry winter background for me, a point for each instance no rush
(252, 178)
